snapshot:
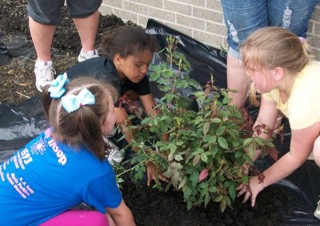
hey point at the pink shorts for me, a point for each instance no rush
(78, 218)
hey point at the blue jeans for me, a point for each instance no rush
(242, 17)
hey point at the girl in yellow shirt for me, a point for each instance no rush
(281, 68)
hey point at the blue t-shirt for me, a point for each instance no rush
(47, 178)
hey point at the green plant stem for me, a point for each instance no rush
(220, 166)
(130, 169)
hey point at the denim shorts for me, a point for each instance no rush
(48, 12)
(242, 17)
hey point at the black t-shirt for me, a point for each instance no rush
(103, 69)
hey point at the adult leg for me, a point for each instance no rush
(293, 15)
(87, 28)
(42, 36)
(85, 15)
(43, 17)
(242, 17)
(237, 81)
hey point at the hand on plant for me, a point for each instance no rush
(153, 173)
(253, 189)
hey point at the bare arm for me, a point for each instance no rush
(148, 104)
(300, 148)
(121, 216)
(268, 114)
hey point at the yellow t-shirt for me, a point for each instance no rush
(303, 106)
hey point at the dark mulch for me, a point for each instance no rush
(149, 206)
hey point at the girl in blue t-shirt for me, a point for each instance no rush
(66, 164)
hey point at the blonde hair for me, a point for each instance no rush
(271, 47)
(254, 97)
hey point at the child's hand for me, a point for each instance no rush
(153, 173)
(252, 190)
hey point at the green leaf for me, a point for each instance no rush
(206, 138)
(179, 143)
(226, 184)
(223, 205)
(213, 189)
(220, 130)
(247, 141)
(252, 149)
(182, 183)
(218, 198)
(232, 191)
(207, 199)
(204, 157)
(236, 143)
(269, 143)
(247, 158)
(245, 179)
(187, 192)
(206, 127)
(233, 133)
(228, 201)
(194, 177)
(226, 100)
(216, 120)
(212, 140)
(223, 142)
(189, 205)
(259, 141)
(237, 154)
(204, 185)
(178, 158)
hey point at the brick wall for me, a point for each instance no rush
(200, 19)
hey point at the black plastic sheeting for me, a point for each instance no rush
(4, 55)
(17, 46)
(205, 60)
(21, 122)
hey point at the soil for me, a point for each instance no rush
(149, 206)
